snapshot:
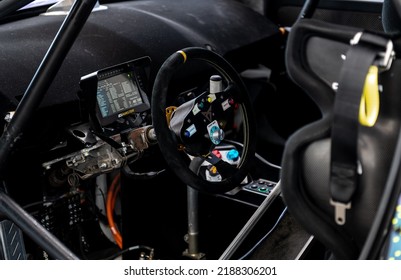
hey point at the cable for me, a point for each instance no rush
(110, 203)
(256, 154)
(267, 162)
(114, 256)
(266, 235)
(37, 203)
(142, 175)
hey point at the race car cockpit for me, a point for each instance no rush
(163, 129)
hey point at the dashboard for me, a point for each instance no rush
(120, 33)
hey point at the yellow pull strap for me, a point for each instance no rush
(370, 101)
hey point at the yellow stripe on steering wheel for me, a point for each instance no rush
(370, 101)
(184, 55)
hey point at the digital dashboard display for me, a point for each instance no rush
(117, 94)
(112, 97)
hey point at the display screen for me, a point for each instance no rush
(117, 94)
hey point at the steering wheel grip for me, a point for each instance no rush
(167, 141)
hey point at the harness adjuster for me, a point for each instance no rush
(384, 58)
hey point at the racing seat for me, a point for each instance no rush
(336, 171)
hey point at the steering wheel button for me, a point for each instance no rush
(233, 155)
(226, 105)
(213, 170)
(190, 131)
(195, 110)
(217, 153)
(211, 97)
(218, 135)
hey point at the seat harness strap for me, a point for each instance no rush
(365, 50)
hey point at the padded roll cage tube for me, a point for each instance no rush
(34, 94)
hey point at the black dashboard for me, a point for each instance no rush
(122, 32)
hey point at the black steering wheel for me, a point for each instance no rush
(198, 125)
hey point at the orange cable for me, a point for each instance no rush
(110, 203)
(113, 203)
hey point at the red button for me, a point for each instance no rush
(217, 153)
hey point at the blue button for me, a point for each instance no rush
(233, 155)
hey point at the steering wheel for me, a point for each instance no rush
(198, 125)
